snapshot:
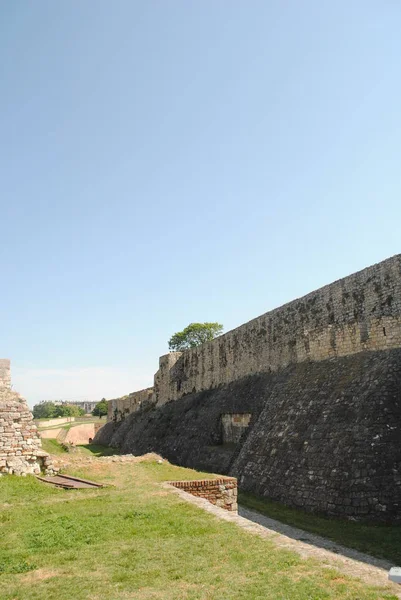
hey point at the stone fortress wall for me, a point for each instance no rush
(119, 408)
(359, 312)
(302, 404)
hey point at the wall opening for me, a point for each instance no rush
(233, 426)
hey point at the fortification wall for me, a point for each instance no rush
(357, 313)
(119, 408)
(190, 431)
(322, 436)
(302, 404)
(328, 437)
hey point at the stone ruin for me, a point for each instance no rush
(20, 444)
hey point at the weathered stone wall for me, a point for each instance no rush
(234, 426)
(360, 312)
(221, 492)
(324, 436)
(5, 373)
(189, 431)
(319, 380)
(119, 408)
(357, 313)
(162, 379)
(20, 445)
(328, 438)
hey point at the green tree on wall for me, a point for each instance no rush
(100, 409)
(194, 335)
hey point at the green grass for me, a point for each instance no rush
(382, 541)
(96, 450)
(136, 540)
(52, 446)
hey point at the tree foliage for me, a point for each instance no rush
(194, 335)
(50, 410)
(69, 410)
(44, 410)
(100, 409)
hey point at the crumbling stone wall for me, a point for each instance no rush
(119, 408)
(20, 445)
(5, 373)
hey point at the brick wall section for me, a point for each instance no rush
(221, 492)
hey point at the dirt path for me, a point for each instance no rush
(372, 571)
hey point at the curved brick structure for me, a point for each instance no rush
(221, 492)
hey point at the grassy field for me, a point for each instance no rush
(54, 447)
(383, 541)
(136, 540)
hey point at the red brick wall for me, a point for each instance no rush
(221, 492)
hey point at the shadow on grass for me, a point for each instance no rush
(98, 450)
(337, 535)
(52, 446)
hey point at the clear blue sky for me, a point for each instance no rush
(170, 162)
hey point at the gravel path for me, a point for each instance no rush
(310, 538)
(373, 571)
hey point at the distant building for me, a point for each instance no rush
(87, 405)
